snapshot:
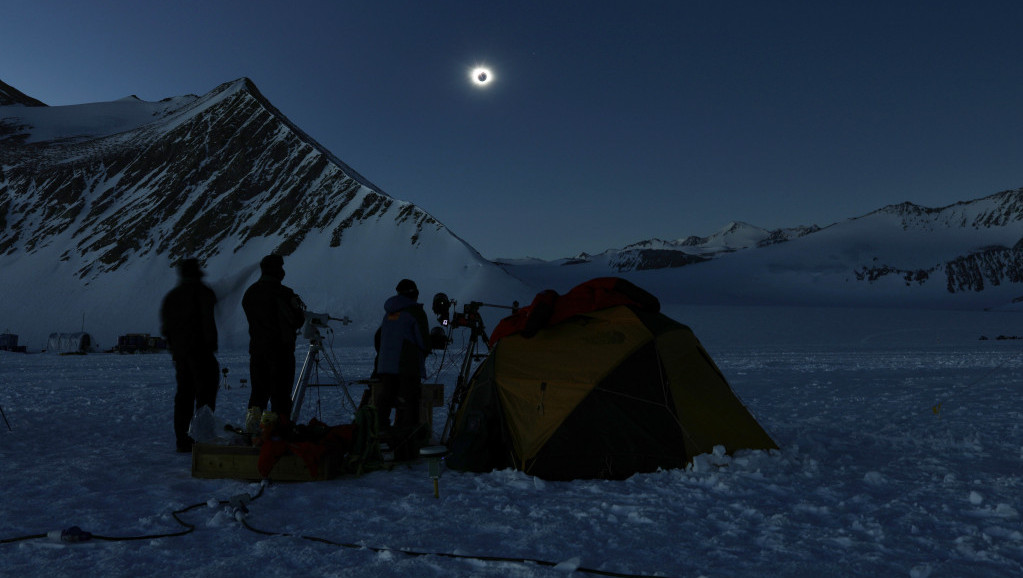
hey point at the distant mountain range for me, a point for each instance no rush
(97, 201)
(968, 255)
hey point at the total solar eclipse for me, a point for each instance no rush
(481, 76)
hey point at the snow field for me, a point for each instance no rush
(895, 460)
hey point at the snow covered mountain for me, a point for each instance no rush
(967, 256)
(658, 254)
(98, 201)
(10, 95)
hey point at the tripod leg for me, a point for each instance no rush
(298, 393)
(5, 418)
(461, 386)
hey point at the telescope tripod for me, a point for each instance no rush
(462, 384)
(311, 365)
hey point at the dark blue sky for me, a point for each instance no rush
(606, 122)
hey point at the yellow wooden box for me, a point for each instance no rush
(241, 463)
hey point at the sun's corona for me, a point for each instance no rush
(481, 76)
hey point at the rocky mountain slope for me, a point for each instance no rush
(11, 96)
(110, 195)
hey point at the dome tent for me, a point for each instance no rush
(597, 383)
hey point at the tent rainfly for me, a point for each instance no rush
(597, 383)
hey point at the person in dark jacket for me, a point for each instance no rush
(275, 314)
(187, 323)
(401, 361)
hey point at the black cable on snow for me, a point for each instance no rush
(239, 504)
(520, 560)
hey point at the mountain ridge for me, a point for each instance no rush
(127, 157)
(12, 96)
(98, 201)
(971, 250)
(124, 189)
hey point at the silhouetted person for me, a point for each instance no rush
(275, 314)
(401, 365)
(187, 323)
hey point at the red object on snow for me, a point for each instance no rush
(548, 308)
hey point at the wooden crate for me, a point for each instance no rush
(241, 463)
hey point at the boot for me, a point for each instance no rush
(268, 424)
(252, 419)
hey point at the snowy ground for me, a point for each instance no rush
(902, 455)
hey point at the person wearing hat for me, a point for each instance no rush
(187, 323)
(401, 365)
(275, 314)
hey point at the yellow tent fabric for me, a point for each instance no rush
(708, 411)
(603, 394)
(542, 379)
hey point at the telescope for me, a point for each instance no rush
(314, 321)
(469, 317)
(311, 331)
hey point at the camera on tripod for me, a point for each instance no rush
(469, 317)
